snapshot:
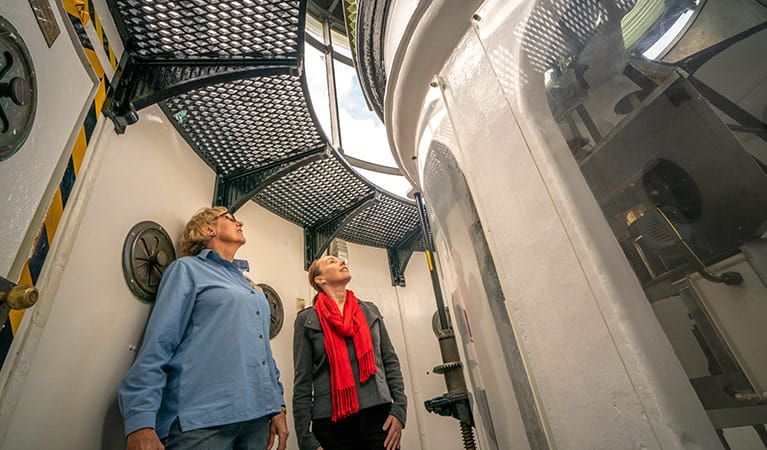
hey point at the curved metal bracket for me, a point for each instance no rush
(234, 190)
(318, 236)
(399, 256)
(139, 83)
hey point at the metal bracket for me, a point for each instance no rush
(723, 356)
(692, 63)
(235, 189)
(318, 236)
(749, 122)
(140, 82)
(399, 256)
(452, 405)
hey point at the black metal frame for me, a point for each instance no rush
(399, 256)
(371, 32)
(141, 82)
(317, 237)
(278, 171)
(233, 191)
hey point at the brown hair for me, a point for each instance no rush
(315, 271)
(195, 236)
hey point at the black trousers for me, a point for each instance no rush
(360, 431)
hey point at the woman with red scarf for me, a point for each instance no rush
(348, 385)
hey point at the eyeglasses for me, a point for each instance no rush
(228, 216)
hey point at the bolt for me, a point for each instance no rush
(18, 90)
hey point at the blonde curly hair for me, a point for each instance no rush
(195, 236)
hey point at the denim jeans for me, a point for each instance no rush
(249, 435)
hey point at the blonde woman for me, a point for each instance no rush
(348, 390)
(205, 376)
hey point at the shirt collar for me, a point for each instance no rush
(240, 264)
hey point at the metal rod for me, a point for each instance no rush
(429, 245)
(335, 124)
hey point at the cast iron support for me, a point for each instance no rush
(235, 189)
(317, 237)
(139, 83)
(400, 255)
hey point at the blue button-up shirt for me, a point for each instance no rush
(205, 357)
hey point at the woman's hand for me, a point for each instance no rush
(279, 427)
(395, 433)
(144, 439)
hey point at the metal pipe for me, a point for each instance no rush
(456, 402)
(429, 246)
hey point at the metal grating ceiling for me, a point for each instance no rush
(313, 192)
(386, 224)
(247, 125)
(244, 124)
(203, 28)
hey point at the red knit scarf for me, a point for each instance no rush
(335, 327)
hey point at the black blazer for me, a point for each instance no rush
(311, 383)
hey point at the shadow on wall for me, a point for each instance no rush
(113, 431)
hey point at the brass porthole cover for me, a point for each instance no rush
(277, 312)
(18, 90)
(147, 252)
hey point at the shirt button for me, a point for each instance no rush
(258, 313)
(263, 363)
(260, 336)
(252, 292)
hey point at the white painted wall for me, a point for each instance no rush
(29, 178)
(68, 400)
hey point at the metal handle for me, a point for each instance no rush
(20, 297)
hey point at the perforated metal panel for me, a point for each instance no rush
(314, 192)
(201, 28)
(245, 126)
(246, 123)
(384, 225)
(558, 29)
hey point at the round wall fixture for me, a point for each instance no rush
(147, 252)
(277, 316)
(18, 90)
(435, 322)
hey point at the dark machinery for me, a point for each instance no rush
(454, 403)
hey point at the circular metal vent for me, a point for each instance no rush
(18, 91)
(276, 309)
(147, 252)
